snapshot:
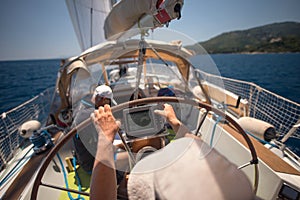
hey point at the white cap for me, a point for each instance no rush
(103, 91)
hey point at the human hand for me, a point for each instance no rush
(180, 129)
(169, 114)
(104, 119)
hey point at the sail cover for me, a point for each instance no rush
(88, 20)
(127, 13)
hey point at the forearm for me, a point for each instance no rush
(168, 113)
(103, 182)
(180, 129)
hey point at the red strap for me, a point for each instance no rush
(163, 16)
(158, 3)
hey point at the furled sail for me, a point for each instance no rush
(88, 20)
(138, 14)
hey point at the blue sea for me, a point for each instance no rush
(22, 80)
(278, 73)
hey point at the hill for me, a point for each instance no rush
(277, 37)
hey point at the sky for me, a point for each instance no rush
(42, 29)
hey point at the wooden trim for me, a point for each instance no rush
(267, 156)
(221, 95)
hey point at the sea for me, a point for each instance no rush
(278, 73)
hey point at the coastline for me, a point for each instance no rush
(255, 53)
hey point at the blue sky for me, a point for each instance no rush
(38, 29)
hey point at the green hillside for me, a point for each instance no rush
(277, 37)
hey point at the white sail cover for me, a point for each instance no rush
(88, 20)
(142, 13)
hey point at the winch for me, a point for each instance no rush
(39, 137)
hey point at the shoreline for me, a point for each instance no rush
(256, 53)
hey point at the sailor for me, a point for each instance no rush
(123, 70)
(85, 141)
(103, 95)
(186, 168)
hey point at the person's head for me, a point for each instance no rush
(102, 95)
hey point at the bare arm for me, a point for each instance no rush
(180, 129)
(103, 182)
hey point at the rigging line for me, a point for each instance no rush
(141, 57)
(198, 71)
(91, 24)
(156, 53)
(160, 58)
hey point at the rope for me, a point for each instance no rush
(260, 140)
(219, 118)
(66, 179)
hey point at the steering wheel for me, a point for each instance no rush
(151, 100)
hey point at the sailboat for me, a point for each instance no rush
(145, 68)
